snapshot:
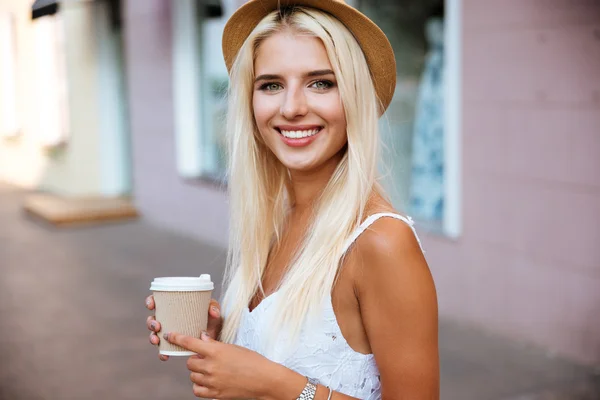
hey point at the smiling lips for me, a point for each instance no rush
(298, 132)
(298, 136)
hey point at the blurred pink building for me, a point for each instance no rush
(527, 264)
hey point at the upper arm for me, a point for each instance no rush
(398, 305)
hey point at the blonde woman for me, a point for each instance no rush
(328, 294)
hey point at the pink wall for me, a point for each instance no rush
(528, 262)
(162, 196)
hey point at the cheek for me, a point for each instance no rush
(329, 108)
(262, 116)
(340, 112)
(338, 117)
(257, 111)
(264, 110)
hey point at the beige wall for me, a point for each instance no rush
(528, 262)
(22, 160)
(77, 170)
(74, 169)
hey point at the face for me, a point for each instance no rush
(296, 102)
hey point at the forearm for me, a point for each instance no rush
(282, 383)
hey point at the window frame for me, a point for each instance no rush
(191, 95)
(452, 221)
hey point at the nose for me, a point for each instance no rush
(294, 103)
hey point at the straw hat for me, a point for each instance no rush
(372, 40)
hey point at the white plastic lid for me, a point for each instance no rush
(182, 284)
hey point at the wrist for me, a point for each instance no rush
(280, 382)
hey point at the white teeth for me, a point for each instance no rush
(299, 134)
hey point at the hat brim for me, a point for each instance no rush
(374, 43)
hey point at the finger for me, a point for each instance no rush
(187, 342)
(205, 337)
(215, 319)
(214, 327)
(196, 364)
(152, 324)
(198, 378)
(202, 392)
(150, 302)
(214, 309)
(154, 339)
(163, 357)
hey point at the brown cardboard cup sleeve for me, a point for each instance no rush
(181, 305)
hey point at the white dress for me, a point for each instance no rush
(321, 351)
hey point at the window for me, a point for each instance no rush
(200, 86)
(52, 91)
(214, 81)
(419, 128)
(9, 122)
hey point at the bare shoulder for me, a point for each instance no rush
(390, 267)
(398, 304)
(389, 243)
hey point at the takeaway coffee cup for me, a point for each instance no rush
(181, 305)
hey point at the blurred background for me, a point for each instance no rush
(112, 173)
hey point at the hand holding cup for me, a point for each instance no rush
(178, 309)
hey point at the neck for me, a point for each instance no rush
(307, 186)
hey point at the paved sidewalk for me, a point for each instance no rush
(72, 318)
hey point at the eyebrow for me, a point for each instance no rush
(320, 72)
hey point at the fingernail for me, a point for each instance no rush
(166, 336)
(215, 310)
(153, 325)
(148, 302)
(204, 335)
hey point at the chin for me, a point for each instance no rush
(307, 162)
(299, 160)
(299, 165)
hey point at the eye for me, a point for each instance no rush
(270, 87)
(322, 85)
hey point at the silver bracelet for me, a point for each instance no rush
(309, 390)
(330, 393)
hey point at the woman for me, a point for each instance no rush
(316, 306)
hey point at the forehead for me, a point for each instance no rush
(287, 52)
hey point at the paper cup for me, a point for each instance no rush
(181, 305)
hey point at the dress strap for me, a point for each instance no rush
(372, 218)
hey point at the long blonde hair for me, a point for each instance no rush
(259, 183)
